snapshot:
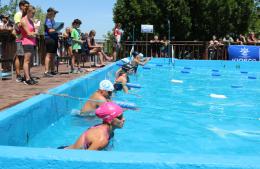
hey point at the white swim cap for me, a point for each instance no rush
(141, 55)
(106, 85)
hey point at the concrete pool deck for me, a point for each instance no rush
(13, 93)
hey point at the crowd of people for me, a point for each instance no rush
(25, 27)
(216, 45)
(101, 104)
(159, 48)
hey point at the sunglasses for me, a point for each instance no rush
(120, 117)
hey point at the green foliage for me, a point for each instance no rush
(109, 39)
(13, 5)
(190, 19)
(40, 15)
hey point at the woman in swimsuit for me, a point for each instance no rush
(97, 137)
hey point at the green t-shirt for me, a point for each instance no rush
(75, 34)
(17, 19)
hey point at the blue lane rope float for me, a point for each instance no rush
(185, 71)
(215, 70)
(159, 65)
(251, 77)
(120, 64)
(147, 68)
(236, 86)
(244, 72)
(215, 74)
(187, 68)
(126, 105)
(132, 85)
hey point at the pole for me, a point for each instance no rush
(133, 33)
(169, 37)
(146, 44)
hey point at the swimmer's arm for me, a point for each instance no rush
(97, 145)
(125, 88)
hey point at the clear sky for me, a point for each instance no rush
(94, 14)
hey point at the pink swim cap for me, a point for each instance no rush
(108, 111)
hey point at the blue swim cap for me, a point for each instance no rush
(135, 53)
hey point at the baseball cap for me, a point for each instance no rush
(52, 10)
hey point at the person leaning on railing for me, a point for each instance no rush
(241, 39)
(251, 39)
(164, 48)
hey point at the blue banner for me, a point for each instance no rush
(243, 53)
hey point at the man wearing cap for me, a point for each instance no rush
(5, 21)
(51, 42)
(102, 95)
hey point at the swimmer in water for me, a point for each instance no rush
(103, 94)
(97, 137)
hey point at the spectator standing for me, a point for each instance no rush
(241, 39)
(155, 45)
(251, 39)
(51, 42)
(164, 48)
(228, 39)
(6, 24)
(23, 6)
(68, 41)
(29, 43)
(76, 44)
(117, 39)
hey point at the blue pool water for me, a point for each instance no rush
(178, 118)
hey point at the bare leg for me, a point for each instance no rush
(101, 58)
(17, 65)
(47, 62)
(52, 65)
(105, 56)
(73, 61)
(26, 65)
(114, 55)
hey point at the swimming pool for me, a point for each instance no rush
(178, 125)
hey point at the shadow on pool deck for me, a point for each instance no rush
(12, 93)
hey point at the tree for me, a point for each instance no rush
(190, 19)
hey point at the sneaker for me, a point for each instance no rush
(29, 82)
(75, 71)
(19, 78)
(47, 74)
(53, 73)
(34, 81)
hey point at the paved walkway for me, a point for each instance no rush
(12, 93)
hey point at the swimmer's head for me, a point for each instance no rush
(135, 54)
(112, 113)
(106, 85)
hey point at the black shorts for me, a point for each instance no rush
(51, 45)
(75, 51)
(29, 49)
